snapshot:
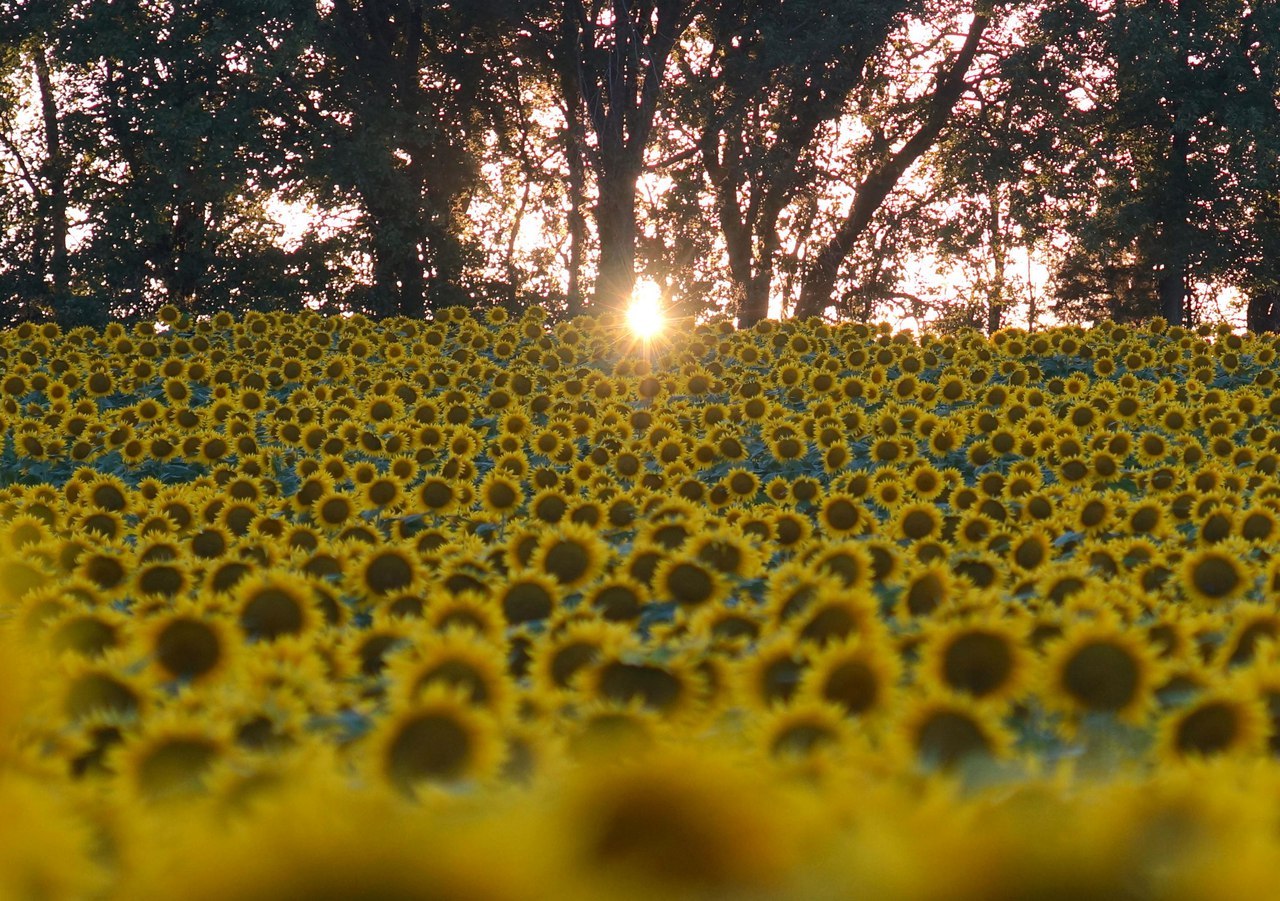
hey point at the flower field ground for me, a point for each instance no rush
(485, 608)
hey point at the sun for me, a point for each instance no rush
(644, 316)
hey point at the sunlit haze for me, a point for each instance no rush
(644, 316)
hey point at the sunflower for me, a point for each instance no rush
(549, 506)
(363, 654)
(382, 492)
(446, 611)
(562, 658)
(1031, 549)
(384, 570)
(440, 738)
(859, 676)
(847, 561)
(729, 630)
(656, 824)
(944, 731)
(273, 604)
(689, 582)
(618, 598)
(984, 658)
(87, 633)
(742, 484)
(529, 596)
(500, 493)
(918, 521)
(188, 644)
(669, 688)
(474, 668)
(842, 514)
(1251, 625)
(109, 494)
(99, 688)
(606, 732)
(789, 527)
(172, 758)
(771, 675)
(572, 554)
(806, 732)
(926, 482)
(1216, 574)
(437, 495)
(167, 579)
(1098, 666)
(727, 552)
(834, 614)
(333, 510)
(1225, 721)
(926, 589)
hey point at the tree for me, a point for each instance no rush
(892, 160)
(390, 115)
(1168, 161)
(612, 57)
(151, 120)
(762, 81)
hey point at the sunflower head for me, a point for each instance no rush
(439, 739)
(945, 732)
(1221, 722)
(983, 658)
(1216, 574)
(858, 676)
(273, 604)
(572, 554)
(1100, 667)
(385, 570)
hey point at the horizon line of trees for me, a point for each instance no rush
(749, 156)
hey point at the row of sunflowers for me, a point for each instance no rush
(486, 607)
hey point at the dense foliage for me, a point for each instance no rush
(757, 157)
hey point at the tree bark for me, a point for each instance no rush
(819, 280)
(1264, 311)
(1175, 228)
(54, 175)
(997, 302)
(616, 225)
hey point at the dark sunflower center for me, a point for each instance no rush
(1101, 676)
(977, 663)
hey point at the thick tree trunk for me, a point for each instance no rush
(616, 226)
(54, 174)
(1264, 311)
(1174, 247)
(1175, 236)
(995, 311)
(574, 138)
(399, 282)
(186, 263)
(755, 300)
(819, 280)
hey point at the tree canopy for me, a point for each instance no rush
(967, 162)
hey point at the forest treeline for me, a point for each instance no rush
(808, 154)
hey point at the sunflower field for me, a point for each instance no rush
(486, 608)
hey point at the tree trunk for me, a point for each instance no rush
(1264, 311)
(55, 179)
(616, 225)
(574, 138)
(755, 301)
(399, 282)
(1174, 247)
(819, 280)
(1175, 241)
(995, 311)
